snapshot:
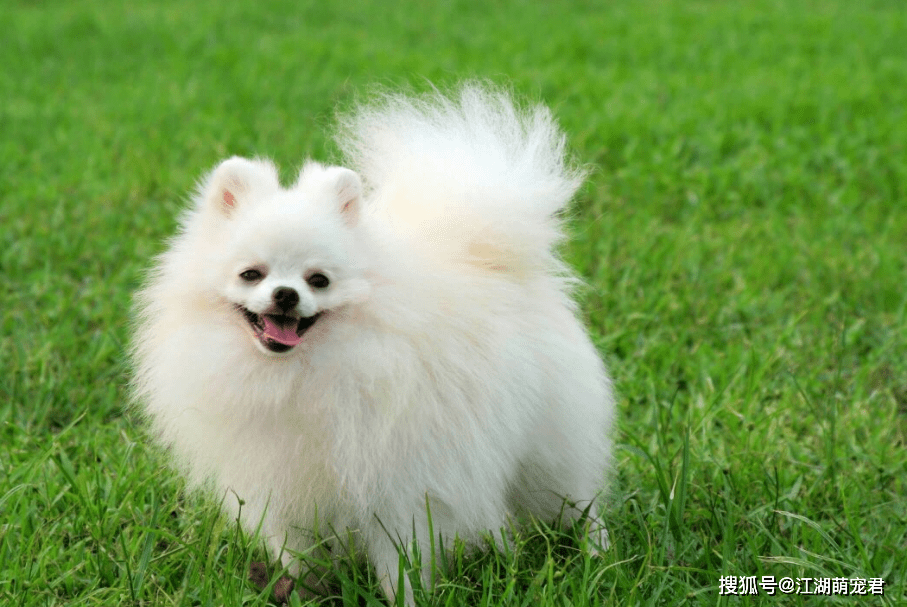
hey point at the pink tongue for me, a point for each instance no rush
(284, 333)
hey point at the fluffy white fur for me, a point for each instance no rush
(447, 364)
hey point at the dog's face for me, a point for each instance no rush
(290, 256)
(279, 304)
(287, 277)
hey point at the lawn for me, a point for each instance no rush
(742, 237)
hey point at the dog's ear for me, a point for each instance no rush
(348, 187)
(338, 184)
(236, 181)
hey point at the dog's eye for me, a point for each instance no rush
(251, 275)
(318, 281)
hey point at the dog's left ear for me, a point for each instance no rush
(349, 193)
(337, 184)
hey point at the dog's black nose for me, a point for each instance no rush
(285, 298)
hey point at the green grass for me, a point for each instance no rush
(743, 237)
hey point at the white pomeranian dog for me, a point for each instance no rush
(389, 350)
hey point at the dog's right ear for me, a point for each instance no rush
(236, 181)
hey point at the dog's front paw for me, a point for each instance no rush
(259, 576)
(597, 538)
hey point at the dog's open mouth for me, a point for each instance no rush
(276, 332)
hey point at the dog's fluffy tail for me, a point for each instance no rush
(471, 176)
